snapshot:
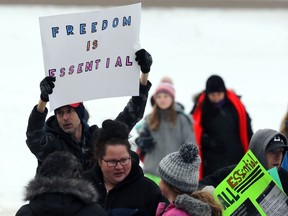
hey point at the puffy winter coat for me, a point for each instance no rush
(60, 197)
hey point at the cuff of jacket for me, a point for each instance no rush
(144, 89)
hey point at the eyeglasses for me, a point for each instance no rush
(113, 163)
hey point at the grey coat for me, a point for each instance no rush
(168, 139)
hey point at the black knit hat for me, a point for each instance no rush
(215, 84)
(79, 108)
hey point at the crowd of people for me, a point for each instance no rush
(91, 170)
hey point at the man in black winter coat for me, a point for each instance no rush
(269, 147)
(67, 129)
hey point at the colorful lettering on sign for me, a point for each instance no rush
(90, 66)
(85, 28)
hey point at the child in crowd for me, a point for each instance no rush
(164, 130)
(179, 172)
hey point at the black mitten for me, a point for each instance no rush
(144, 59)
(46, 87)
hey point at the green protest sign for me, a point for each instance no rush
(250, 190)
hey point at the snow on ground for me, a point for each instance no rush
(248, 48)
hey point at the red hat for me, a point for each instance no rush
(79, 108)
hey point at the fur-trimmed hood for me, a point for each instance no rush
(79, 188)
(184, 205)
(58, 196)
(193, 206)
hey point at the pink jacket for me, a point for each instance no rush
(184, 205)
(170, 210)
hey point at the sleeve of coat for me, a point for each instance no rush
(35, 134)
(249, 127)
(216, 177)
(135, 108)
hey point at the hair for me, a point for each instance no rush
(61, 164)
(155, 119)
(283, 128)
(207, 197)
(203, 196)
(113, 132)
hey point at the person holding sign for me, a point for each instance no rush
(117, 176)
(179, 172)
(67, 130)
(269, 146)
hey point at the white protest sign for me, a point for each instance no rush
(92, 54)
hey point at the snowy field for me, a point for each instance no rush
(248, 48)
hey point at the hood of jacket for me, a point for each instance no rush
(259, 142)
(56, 196)
(79, 188)
(192, 206)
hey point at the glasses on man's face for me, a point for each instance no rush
(113, 163)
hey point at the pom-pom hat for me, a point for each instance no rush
(181, 169)
(166, 86)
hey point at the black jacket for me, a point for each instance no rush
(220, 142)
(135, 195)
(60, 197)
(44, 138)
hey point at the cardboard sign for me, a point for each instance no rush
(92, 54)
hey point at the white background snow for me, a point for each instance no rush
(248, 48)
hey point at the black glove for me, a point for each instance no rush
(144, 60)
(46, 87)
(145, 144)
(145, 141)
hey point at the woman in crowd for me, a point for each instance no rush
(222, 126)
(117, 176)
(164, 130)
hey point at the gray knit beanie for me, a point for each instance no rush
(181, 169)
